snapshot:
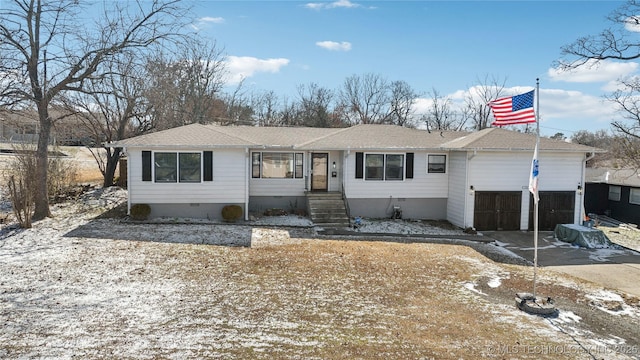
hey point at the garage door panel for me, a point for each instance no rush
(554, 207)
(497, 210)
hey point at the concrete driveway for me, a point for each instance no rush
(611, 268)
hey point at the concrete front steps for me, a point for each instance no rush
(327, 209)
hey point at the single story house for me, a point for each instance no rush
(23, 126)
(477, 180)
(613, 192)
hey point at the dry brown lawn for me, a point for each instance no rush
(63, 297)
(313, 300)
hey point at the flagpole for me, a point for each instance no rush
(535, 214)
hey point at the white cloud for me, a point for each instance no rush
(242, 67)
(558, 103)
(206, 21)
(335, 46)
(559, 109)
(594, 71)
(215, 20)
(332, 5)
(632, 24)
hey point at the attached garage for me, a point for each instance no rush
(497, 210)
(554, 207)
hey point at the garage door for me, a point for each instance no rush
(555, 207)
(497, 210)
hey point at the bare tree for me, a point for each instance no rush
(440, 115)
(57, 51)
(289, 113)
(628, 104)
(314, 107)
(265, 108)
(365, 99)
(618, 42)
(613, 43)
(112, 108)
(185, 85)
(402, 110)
(599, 139)
(237, 108)
(476, 110)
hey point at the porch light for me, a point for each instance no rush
(579, 189)
(334, 165)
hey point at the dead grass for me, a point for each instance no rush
(337, 300)
(102, 298)
(624, 236)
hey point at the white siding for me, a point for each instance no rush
(279, 187)
(335, 183)
(508, 171)
(228, 185)
(423, 185)
(458, 189)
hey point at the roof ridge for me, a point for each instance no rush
(217, 128)
(334, 133)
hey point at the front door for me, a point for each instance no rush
(319, 171)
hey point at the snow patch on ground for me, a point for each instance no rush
(405, 227)
(613, 303)
(472, 287)
(568, 317)
(495, 282)
(603, 255)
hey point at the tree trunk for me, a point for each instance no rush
(110, 169)
(41, 197)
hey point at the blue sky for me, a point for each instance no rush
(449, 46)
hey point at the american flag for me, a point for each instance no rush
(513, 110)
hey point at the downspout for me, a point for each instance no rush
(466, 186)
(583, 211)
(128, 181)
(343, 167)
(247, 158)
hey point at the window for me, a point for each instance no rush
(437, 164)
(189, 167)
(170, 167)
(374, 167)
(634, 196)
(276, 165)
(384, 167)
(299, 162)
(394, 167)
(255, 165)
(165, 165)
(614, 193)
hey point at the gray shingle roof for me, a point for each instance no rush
(193, 135)
(371, 137)
(360, 137)
(499, 139)
(276, 136)
(626, 177)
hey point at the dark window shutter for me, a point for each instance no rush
(359, 165)
(207, 157)
(146, 166)
(409, 169)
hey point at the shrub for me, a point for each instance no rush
(231, 212)
(275, 212)
(140, 211)
(62, 175)
(22, 200)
